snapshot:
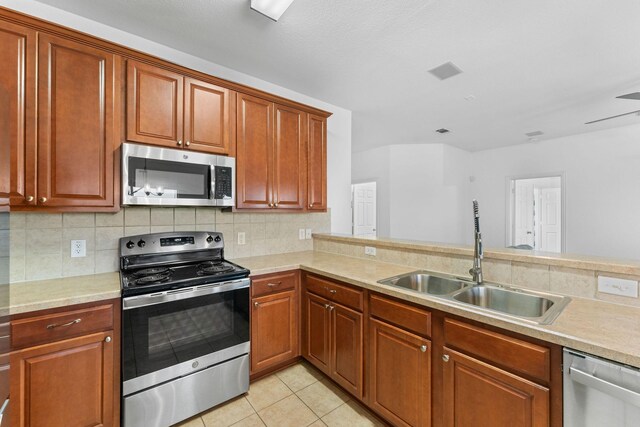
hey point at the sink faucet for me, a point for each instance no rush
(476, 270)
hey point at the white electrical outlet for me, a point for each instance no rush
(370, 250)
(242, 238)
(307, 233)
(78, 248)
(616, 286)
(301, 233)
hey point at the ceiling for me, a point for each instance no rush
(544, 65)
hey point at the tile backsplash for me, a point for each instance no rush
(40, 244)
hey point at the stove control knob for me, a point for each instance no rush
(141, 243)
(130, 244)
(209, 239)
(217, 239)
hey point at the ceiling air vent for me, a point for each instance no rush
(446, 70)
(534, 133)
(443, 130)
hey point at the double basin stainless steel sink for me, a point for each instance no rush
(531, 306)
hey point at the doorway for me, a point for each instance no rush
(536, 213)
(363, 209)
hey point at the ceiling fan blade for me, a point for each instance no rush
(632, 95)
(613, 117)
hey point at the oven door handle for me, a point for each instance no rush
(139, 301)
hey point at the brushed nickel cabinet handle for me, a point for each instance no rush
(73, 322)
(42, 199)
(107, 339)
(179, 142)
(187, 143)
(275, 205)
(29, 198)
(333, 291)
(310, 205)
(327, 306)
(270, 205)
(256, 304)
(331, 307)
(272, 285)
(423, 348)
(445, 357)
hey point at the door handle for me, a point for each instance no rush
(273, 285)
(604, 386)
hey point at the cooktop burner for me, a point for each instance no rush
(152, 271)
(214, 267)
(152, 278)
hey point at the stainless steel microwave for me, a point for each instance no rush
(169, 177)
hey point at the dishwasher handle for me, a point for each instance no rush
(606, 387)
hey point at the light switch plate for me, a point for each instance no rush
(307, 233)
(242, 238)
(301, 233)
(616, 286)
(370, 250)
(78, 248)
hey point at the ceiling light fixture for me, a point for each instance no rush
(272, 9)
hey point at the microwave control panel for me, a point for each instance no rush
(223, 183)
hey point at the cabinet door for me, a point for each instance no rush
(78, 106)
(290, 172)
(402, 394)
(67, 383)
(317, 163)
(254, 155)
(316, 348)
(274, 330)
(346, 348)
(154, 105)
(206, 117)
(477, 394)
(18, 130)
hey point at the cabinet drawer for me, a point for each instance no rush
(338, 293)
(405, 316)
(53, 327)
(272, 283)
(508, 352)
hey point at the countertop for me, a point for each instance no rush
(601, 328)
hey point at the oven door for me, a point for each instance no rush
(171, 334)
(168, 177)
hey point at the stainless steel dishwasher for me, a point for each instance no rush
(599, 392)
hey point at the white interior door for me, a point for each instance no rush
(523, 229)
(364, 209)
(550, 220)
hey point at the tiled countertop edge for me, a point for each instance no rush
(584, 262)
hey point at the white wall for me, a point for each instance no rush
(430, 194)
(422, 190)
(602, 171)
(339, 124)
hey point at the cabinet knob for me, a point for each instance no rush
(331, 307)
(107, 339)
(310, 205)
(275, 205)
(445, 357)
(327, 306)
(256, 304)
(42, 199)
(423, 348)
(180, 142)
(270, 205)
(29, 198)
(332, 291)
(187, 143)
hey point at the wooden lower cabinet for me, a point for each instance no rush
(66, 383)
(400, 375)
(333, 341)
(274, 332)
(477, 394)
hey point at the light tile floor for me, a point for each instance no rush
(298, 396)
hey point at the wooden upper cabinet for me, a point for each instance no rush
(289, 158)
(78, 124)
(207, 117)
(154, 105)
(317, 163)
(18, 130)
(254, 152)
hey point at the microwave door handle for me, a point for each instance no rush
(212, 189)
(604, 386)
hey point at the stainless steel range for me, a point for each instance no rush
(185, 327)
